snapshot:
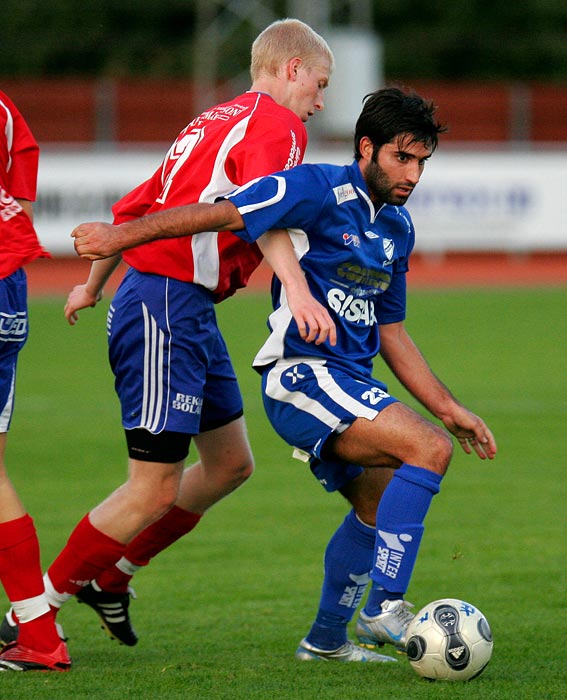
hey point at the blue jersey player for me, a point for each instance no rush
(352, 237)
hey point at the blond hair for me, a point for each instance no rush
(283, 40)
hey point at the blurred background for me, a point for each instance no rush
(107, 85)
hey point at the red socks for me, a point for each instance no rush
(154, 539)
(87, 553)
(20, 568)
(21, 576)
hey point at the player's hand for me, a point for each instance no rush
(79, 298)
(472, 433)
(96, 240)
(312, 318)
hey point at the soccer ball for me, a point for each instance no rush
(449, 640)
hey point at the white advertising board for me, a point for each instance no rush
(82, 185)
(466, 200)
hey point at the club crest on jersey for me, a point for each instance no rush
(344, 193)
(349, 238)
(388, 244)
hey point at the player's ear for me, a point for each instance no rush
(366, 148)
(293, 67)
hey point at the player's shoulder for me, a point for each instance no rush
(8, 109)
(316, 176)
(270, 113)
(339, 180)
(331, 173)
(396, 220)
(398, 216)
(6, 100)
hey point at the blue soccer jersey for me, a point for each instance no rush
(354, 256)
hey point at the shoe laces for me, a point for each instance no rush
(400, 609)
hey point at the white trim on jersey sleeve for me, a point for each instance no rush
(256, 206)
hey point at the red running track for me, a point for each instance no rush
(57, 276)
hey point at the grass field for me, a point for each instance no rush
(220, 613)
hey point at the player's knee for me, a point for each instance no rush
(247, 470)
(440, 449)
(228, 475)
(160, 502)
(242, 470)
(152, 494)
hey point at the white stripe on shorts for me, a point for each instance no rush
(8, 406)
(154, 339)
(306, 403)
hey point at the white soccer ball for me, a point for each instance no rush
(449, 640)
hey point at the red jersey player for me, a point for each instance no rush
(173, 374)
(39, 646)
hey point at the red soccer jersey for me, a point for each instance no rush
(221, 149)
(19, 155)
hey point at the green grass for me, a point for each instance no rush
(220, 613)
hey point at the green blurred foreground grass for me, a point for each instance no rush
(220, 613)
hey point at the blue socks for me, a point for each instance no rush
(388, 553)
(348, 560)
(399, 529)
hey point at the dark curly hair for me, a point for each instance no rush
(391, 112)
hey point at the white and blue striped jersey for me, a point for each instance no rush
(354, 256)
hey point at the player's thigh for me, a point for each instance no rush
(154, 480)
(222, 399)
(397, 435)
(222, 441)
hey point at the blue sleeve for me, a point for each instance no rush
(391, 306)
(283, 200)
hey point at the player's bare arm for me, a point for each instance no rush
(313, 319)
(89, 294)
(406, 361)
(27, 206)
(98, 240)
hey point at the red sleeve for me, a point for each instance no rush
(279, 145)
(19, 152)
(137, 202)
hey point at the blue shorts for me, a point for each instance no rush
(171, 365)
(306, 401)
(13, 335)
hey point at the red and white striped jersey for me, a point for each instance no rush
(221, 149)
(19, 156)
